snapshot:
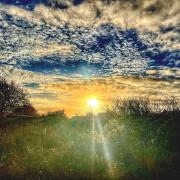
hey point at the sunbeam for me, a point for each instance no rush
(93, 104)
(105, 148)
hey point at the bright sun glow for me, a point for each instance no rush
(93, 103)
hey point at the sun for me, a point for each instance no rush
(93, 103)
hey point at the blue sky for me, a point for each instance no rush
(54, 40)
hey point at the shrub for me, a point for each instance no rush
(141, 106)
(135, 106)
(60, 113)
(26, 109)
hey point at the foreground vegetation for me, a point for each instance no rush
(141, 144)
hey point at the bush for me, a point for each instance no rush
(142, 106)
(60, 113)
(135, 106)
(26, 109)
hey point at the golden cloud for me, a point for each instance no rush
(72, 95)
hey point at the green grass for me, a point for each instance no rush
(55, 147)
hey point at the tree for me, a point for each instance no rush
(11, 98)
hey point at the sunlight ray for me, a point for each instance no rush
(105, 148)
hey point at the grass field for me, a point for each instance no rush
(126, 147)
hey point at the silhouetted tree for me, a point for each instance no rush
(12, 98)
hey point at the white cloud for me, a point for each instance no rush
(141, 14)
(23, 43)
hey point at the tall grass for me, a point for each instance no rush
(142, 143)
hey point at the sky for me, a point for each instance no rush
(63, 52)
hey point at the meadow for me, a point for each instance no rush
(130, 142)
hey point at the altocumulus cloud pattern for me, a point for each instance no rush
(78, 38)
